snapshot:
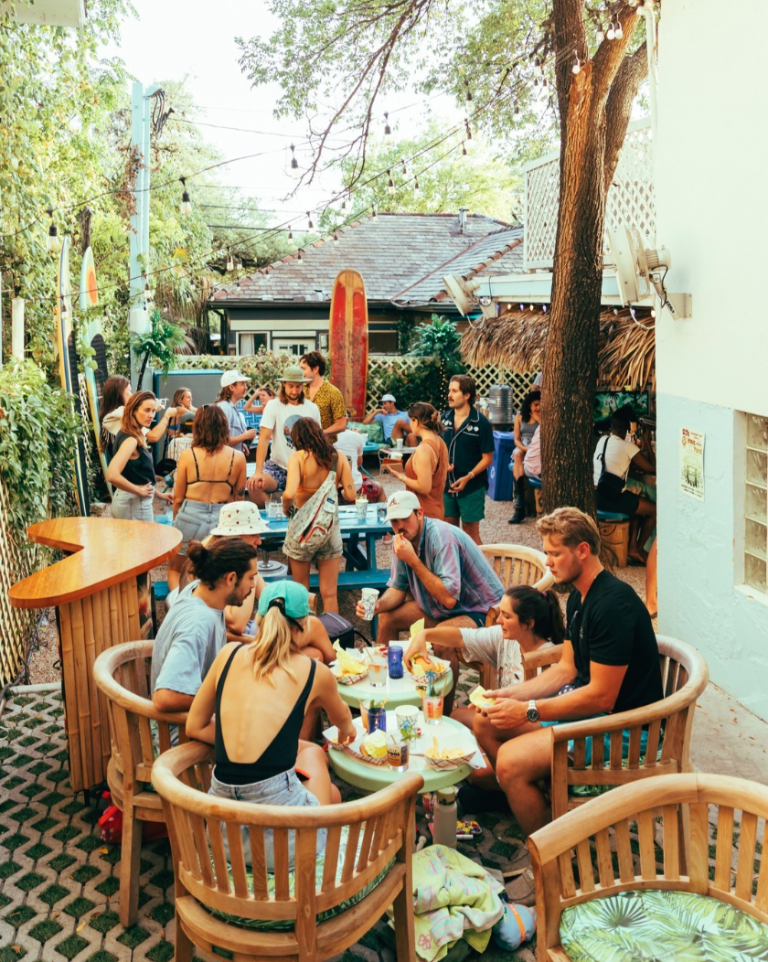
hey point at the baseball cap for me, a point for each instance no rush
(242, 517)
(388, 397)
(401, 504)
(295, 598)
(294, 373)
(232, 377)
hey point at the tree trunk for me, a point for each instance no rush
(570, 363)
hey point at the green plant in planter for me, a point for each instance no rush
(440, 339)
(160, 343)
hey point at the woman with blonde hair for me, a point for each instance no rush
(251, 707)
(181, 405)
(209, 475)
(426, 471)
(132, 470)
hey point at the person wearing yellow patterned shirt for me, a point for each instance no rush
(329, 399)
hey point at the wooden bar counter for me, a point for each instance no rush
(95, 592)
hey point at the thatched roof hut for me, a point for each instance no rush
(516, 340)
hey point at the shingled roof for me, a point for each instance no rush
(393, 252)
(498, 253)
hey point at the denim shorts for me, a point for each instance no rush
(282, 789)
(196, 520)
(131, 507)
(330, 549)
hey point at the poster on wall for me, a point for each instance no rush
(692, 463)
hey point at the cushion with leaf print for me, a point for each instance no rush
(647, 926)
(374, 433)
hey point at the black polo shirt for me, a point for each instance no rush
(612, 627)
(466, 446)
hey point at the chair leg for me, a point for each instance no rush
(182, 944)
(130, 857)
(404, 923)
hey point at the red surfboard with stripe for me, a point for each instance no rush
(348, 340)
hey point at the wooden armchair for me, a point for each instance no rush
(617, 753)
(678, 821)
(138, 734)
(515, 565)
(379, 837)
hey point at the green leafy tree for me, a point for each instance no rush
(529, 67)
(441, 340)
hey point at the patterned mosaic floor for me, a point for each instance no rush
(59, 881)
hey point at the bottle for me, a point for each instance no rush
(395, 658)
(445, 817)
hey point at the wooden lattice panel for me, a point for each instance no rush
(16, 624)
(631, 199)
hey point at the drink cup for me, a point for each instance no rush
(376, 719)
(398, 753)
(362, 509)
(407, 721)
(381, 512)
(395, 660)
(399, 444)
(369, 597)
(378, 671)
(433, 709)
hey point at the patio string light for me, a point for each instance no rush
(391, 183)
(186, 205)
(387, 128)
(52, 241)
(294, 162)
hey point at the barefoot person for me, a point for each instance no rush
(610, 663)
(251, 707)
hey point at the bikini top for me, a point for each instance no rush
(199, 480)
(278, 757)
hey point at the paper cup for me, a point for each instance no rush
(369, 597)
(399, 443)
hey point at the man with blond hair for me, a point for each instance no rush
(609, 663)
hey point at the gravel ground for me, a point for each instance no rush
(44, 667)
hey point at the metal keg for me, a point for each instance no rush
(501, 405)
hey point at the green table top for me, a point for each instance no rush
(397, 691)
(371, 777)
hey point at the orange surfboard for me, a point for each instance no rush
(348, 340)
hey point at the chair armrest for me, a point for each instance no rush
(541, 658)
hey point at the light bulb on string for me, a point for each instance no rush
(52, 241)
(238, 265)
(405, 169)
(467, 128)
(391, 183)
(336, 239)
(267, 275)
(618, 31)
(531, 308)
(344, 203)
(463, 149)
(535, 81)
(230, 263)
(522, 307)
(469, 92)
(310, 225)
(517, 110)
(294, 162)
(373, 213)
(387, 128)
(186, 206)
(610, 33)
(299, 257)
(576, 68)
(544, 309)
(416, 187)
(653, 313)
(600, 35)
(290, 233)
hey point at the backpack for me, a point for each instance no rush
(312, 524)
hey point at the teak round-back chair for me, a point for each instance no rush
(138, 734)
(377, 844)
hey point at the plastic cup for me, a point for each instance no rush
(362, 509)
(407, 720)
(378, 671)
(433, 709)
(398, 754)
(369, 597)
(399, 444)
(375, 719)
(381, 513)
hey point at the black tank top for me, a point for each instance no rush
(280, 754)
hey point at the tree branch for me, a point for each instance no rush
(618, 110)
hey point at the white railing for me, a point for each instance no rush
(631, 198)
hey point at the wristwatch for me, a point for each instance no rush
(533, 712)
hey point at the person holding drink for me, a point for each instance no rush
(426, 471)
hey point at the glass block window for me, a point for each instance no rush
(756, 504)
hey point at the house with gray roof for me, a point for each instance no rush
(402, 259)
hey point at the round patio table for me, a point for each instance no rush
(371, 777)
(397, 691)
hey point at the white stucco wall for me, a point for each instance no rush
(712, 205)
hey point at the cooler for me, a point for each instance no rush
(500, 472)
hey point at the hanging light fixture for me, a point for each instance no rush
(576, 68)
(416, 187)
(463, 149)
(186, 205)
(336, 239)
(238, 265)
(405, 169)
(373, 213)
(600, 34)
(290, 233)
(618, 32)
(391, 183)
(469, 92)
(299, 258)
(230, 263)
(52, 241)
(294, 162)
(467, 128)
(344, 203)
(387, 128)
(310, 225)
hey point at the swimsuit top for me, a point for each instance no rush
(278, 757)
(199, 480)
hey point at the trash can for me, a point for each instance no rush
(500, 472)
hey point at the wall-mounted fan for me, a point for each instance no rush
(464, 295)
(641, 270)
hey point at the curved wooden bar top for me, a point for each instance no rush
(105, 552)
